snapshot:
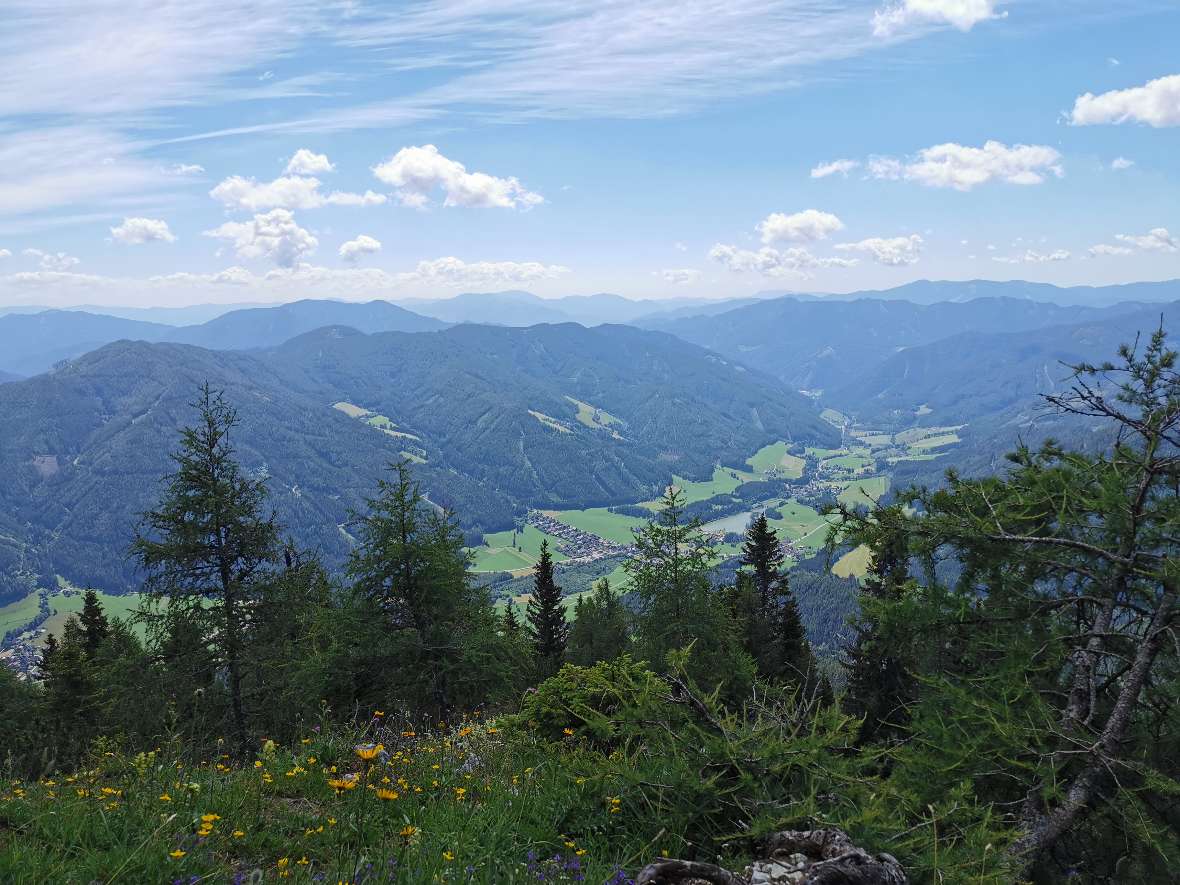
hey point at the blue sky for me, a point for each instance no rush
(155, 153)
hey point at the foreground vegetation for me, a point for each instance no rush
(1004, 712)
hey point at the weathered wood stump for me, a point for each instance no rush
(792, 857)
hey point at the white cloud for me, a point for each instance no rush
(4, 253)
(1156, 103)
(808, 225)
(231, 276)
(362, 245)
(186, 169)
(1033, 257)
(843, 167)
(1155, 240)
(963, 168)
(680, 275)
(962, 14)
(770, 262)
(274, 235)
(135, 231)
(417, 171)
(53, 261)
(1104, 249)
(286, 192)
(680, 247)
(1119, 163)
(891, 251)
(453, 271)
(304, 162)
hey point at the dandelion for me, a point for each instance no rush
(303, 861)
(210, 818)
(568, 732)
(460, 792)
(408, 831)
(377, 714)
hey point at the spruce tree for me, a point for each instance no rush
(796, 662)
(763, 554)
(547, 625)
(511, 621)
(95, 626)
(600, 629)
(210, 545)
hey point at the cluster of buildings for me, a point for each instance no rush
(578, 545)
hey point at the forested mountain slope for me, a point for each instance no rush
(826, 344)
(499, 420)
(32, 343)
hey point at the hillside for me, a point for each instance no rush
(497, 419)
(33, 343)
(828, 344)
(8, 376)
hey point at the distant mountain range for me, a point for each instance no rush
(498, 419)
(822, 344)
(33, 343)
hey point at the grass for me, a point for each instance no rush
(550, 422)
(854, 563)
(774, 456)
(799, 521)
(352, 411)
(473, 803)
(600, 521)
(848, 462)
(838, 419)
(497, 553)
(17, 614)
(593, 417)
(724, 481)
(64, 606)
(864, 492)
(933, 442)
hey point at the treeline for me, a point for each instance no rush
(243, 635)
(1008, 707)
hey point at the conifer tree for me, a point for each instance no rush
(763, 554)
(95, 626)
(796, 661)
(547, 624)
(211, 539)
(511, 621)
(600, 629)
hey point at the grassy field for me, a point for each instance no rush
(17, 614)
(864, 492)
(352, 411)
(592, 416)
(724, 481)
(776, 455)
(600, 521)
(853, 564)
(848, 462)
(798, 521)
(64, 606)
(497, 554)
(933, 442)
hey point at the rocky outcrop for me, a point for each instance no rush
(792, 857)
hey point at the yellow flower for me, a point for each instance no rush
(257, 763)
(238, 834)
(305, 741)
(209, 818)
(408, 734)
(368, 752)
(282, 863)
(569, 844)
(177, 854)
(377, 714)
(448, 856)
(311, 760)
(164, 797)
(460, 792)
(580, 852)
(331, 821)
(303, 861)
(568, 732)
(387, 795)
(408, 831)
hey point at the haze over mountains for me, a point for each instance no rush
(533, 410)
(497, 420)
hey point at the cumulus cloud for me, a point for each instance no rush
(1033, 257)
(891, 251)
(285, 192)
(417, 172)
(231, 276)
(678, 276)
(1105, 249)
(1155, 240)
(808, 225)
(362, 245)
(52, 261)
(963, 168)
(4, 253)
(456, 272)
(795, 261)
(1156, 103)
(136, 231)
(961, 14)
(842, 167)
(274, 235)
(1119, 163)
(304, 162)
